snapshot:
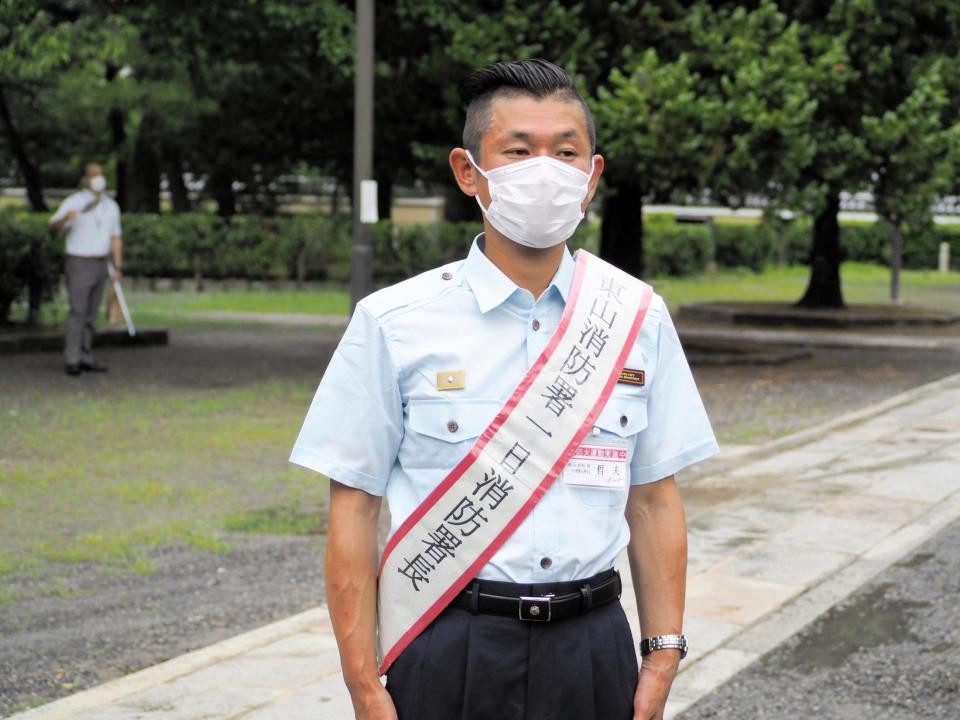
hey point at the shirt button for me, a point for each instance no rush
(447, 276)
(452, 426)
(536, 325)
(545, 563)
(623, 421)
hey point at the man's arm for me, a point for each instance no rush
(351, 580)
(58, 221)
(116, 251)
(658, 563)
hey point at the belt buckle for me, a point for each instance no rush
(536, 609)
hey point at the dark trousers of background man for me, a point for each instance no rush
(86, 278)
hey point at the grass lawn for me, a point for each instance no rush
(103, 479)
(862, 283)
(308, 302)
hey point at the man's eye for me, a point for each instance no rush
(517, 151)
(567, 153)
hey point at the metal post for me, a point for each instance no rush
(361, 269)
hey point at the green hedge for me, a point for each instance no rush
(29, 262)
(317, 247)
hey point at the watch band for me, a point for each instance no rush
(664, 642)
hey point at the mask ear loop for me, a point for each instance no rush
(475, 165)
(479, 170)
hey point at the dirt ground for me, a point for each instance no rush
(109, 622)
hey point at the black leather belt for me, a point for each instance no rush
(567, 599)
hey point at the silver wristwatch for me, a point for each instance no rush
(664, 642)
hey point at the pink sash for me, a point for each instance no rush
(459, 526)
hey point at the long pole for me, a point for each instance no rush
(361, 270)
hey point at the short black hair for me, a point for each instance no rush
(536, 78)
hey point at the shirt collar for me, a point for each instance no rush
(491, 287)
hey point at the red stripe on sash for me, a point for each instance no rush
(444, 600)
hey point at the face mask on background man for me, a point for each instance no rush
(98, 183)
(535, 202)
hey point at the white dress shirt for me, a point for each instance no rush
(89, 233)
(379, 423)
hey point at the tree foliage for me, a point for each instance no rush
(792, 102)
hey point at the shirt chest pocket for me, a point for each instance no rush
(441, 432)
(622, 418)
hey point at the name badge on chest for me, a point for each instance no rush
(599, 465)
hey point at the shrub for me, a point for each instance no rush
(672, 248)
(28, 259)
(740, 244)
(318, 247)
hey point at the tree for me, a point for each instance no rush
(884, 44)
(240, 94)
(38, 42)
(914, 151)
(653, 123)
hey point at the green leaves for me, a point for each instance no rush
(913, 149)
(653, 123)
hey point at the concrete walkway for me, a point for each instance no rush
(778, 535)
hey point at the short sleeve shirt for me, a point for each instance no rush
(89, 233)
(379, 423)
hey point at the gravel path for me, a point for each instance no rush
(891, 651)
(104, 624)
(107, 623)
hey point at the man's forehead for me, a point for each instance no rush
(526, 116)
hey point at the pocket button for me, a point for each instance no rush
(453, 426)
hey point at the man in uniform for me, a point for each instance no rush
(422, 380)
(92, 222)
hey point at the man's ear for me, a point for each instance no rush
(598, 164)
(464, 172)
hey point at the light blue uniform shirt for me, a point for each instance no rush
(379, 423)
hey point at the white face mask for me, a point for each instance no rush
(535, 202)
(98, 183)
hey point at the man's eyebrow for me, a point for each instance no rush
(526, 137)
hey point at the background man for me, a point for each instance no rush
(92, 222)
(423, 369)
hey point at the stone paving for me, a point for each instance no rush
(778, 535)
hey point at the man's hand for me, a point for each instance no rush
(656, 675)
(373, 704)
(117, 274)
(56, 227)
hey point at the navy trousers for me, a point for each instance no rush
(467, 667)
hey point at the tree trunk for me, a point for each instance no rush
(221, 189)
(118, 137)
(34, 284)
(145, 178)
(31, 176)
(179, 195)
(621, 231)
(896, 262)
(335, 201)
(823, 290)
(384, 195)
